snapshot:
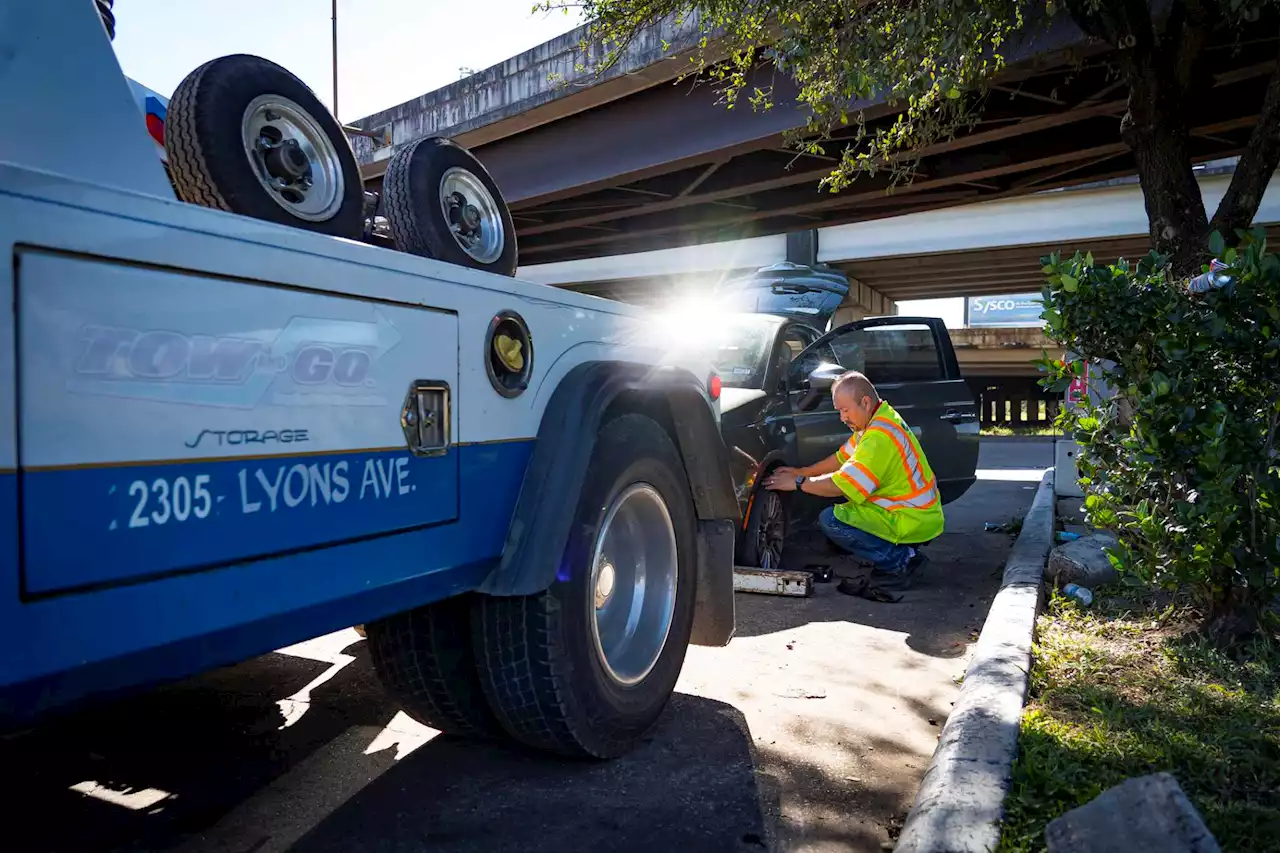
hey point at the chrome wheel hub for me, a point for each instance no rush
(293, 158)
(473, 215)
(634, 578)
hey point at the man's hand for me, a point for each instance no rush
(781, 480)
(787, 471)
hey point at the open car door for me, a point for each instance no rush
(913, 365)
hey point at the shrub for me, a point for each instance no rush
(1182, 460)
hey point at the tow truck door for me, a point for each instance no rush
(913, 365)
(174, 421)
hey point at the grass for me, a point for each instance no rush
(1125, 690)
(1005, 429)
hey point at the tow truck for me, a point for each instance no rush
(233, 417)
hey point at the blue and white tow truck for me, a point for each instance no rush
(228, 423)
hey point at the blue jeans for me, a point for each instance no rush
(882, 554)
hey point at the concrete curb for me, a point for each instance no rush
(961, 798)
(1022, 439)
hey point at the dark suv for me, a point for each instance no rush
(777, 406)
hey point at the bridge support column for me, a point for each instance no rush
(802, 247)
(861, 303)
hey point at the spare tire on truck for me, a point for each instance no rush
(244, 135)
(440, 202)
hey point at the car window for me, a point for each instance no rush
(792, 341)
(905, 352)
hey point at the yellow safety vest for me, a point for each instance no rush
(891, 488)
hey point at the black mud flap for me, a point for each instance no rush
(566, 438)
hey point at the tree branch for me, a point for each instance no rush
(1114, 21)
(1257, 164)
(1189, 27)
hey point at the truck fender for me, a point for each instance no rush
(582, 401)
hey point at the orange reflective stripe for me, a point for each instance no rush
(846, 451)
(902, 451)
(844, 475)
(920, 491)
(864, 469)
(858, 477)
(922, 501)
(910, 461)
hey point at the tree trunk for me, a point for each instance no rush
(1155, 129)
(1257, 164)
(1162, 65)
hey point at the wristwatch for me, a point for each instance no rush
(800, 482)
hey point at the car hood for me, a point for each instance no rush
(734, 398)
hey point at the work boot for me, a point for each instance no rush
(902, 579)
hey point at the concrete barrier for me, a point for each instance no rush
(961, 798)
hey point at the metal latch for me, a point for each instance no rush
(425, 418)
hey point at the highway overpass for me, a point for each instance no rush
(631, 162)
(988, 248)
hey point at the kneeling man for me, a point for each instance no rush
(892, 497)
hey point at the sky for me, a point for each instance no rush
(389, 51)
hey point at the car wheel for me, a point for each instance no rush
(244, 135)
(441, 203)
(765, 533)
(587, 667)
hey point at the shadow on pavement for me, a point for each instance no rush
(195, 748)
(690, 786)
(951, 595)
(170, 764)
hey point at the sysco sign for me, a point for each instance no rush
(1022, 309)
(334, 356)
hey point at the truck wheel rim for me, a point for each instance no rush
(293, 158)
(472, 214)
(634, 575)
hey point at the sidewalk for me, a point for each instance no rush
(844, 697)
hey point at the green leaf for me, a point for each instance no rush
(953, 93)
(1217, 245)
(1070, 283)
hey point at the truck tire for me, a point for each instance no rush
(586, 668)
(441, 203)
(244, 135)
(423, 658)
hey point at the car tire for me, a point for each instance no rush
(420, 179)
(244, 135)
(765, 533)
(424, 659)
(559, 668)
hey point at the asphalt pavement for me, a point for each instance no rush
(809, 732)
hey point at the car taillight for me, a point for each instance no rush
(714, 386)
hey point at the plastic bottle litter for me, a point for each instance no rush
(1079, 593)
(1214, 279)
